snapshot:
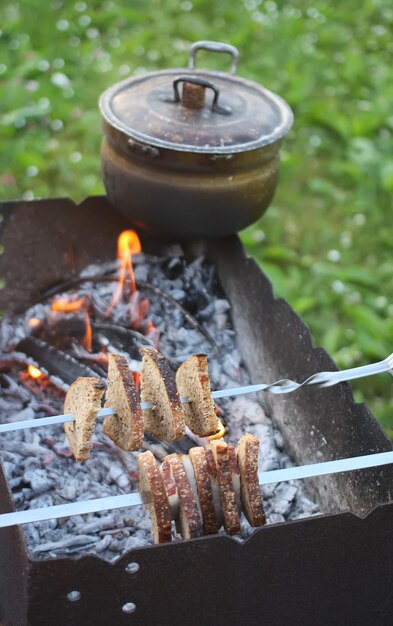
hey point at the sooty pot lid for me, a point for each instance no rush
(197, 110)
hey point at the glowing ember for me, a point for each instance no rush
(128, 244)
(34, 322)
(63, 305)
(34, 372)
(137, 379)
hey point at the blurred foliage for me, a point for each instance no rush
(326, 242)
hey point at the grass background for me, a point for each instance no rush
(326, 242)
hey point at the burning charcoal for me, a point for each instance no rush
(278, 440)
(25, 495)
(26, 414)
(141, 273)
(221, 306)
(174, 268)
(221, 321)
(54, 361)
(135, 541)
(116, 545)
(276, 518)
(38, 481)
(62, 330)
(68, 492)
(98, 524)
(60, 546)
(207, 312)
(118, 475)
(178, 294)
(283, 498)
(25, 449)
(15, 483)
(102, 545)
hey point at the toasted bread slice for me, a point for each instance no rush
(190, 518)
(83, 399)
(235, 472)
(126, 427)
(247, 458)
(171, 489)
(215, 486)
(166, 419)
(230, 511)
(205, 492)
(152, 487)
(193, 381)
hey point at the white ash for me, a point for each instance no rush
(38, 463)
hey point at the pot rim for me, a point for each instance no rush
(286, 115)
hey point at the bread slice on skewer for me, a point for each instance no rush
(215, 486)
(205, 491)
(247, 458)
(151, 485)
(193, 381)
(126, 427)
(235, 473)
(190, 518)
(166, 419)
(83, 399)
(230, 512)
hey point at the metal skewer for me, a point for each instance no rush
(135, 498)
(285, 385)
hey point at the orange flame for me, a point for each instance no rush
(87, 340)
(220, 433)
(34, 372)
(63, 305)
(128, 244)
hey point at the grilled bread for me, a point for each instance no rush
(213, 477)
(193, 381)
(189, 519)
(235, 473)
(83, 399)
(166, 419)
(230, 512)
(151, 485)
(205, 491)
(247, 458)
(126, 427)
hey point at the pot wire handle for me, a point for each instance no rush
(196, 80)
(213, 46)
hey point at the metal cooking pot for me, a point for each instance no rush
(192, 154)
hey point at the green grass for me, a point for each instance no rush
(326, 242)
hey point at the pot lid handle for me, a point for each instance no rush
(202, 83)
(213, 46)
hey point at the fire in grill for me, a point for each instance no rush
(277, 345)
(70, 334)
